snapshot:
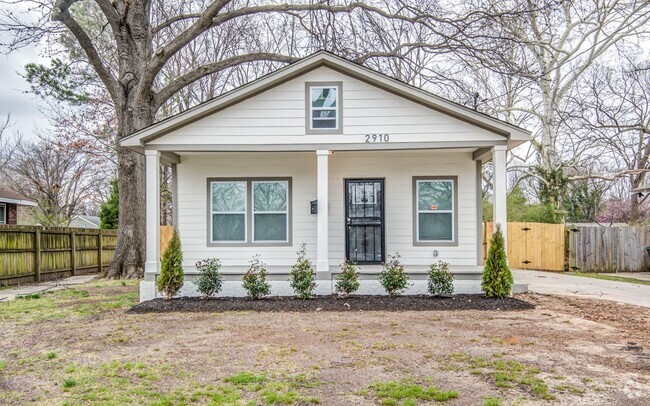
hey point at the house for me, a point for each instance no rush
(83, 221)
(15, 208)
(353, 163)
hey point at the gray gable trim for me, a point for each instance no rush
(319, 59)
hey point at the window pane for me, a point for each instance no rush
(323, 123)
(229, 196)
(270, 227)
(435, 226)
(270, 196)
(324, 114)
(228, 227)
(435, 195)
(323, 97)
(3, 212)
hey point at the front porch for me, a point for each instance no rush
(321, 176)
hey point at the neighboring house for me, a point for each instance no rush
(15, 208)
(83, 221)
(355, 164)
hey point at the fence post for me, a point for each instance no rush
(37, 259)
(73, 252)
(99, 249)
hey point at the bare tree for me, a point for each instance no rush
(8, 144)
(57, 177)
(552, 44)
(128, 45)
(615, 124)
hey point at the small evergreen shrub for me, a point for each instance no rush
(497, 278)
(393, 277)
(254, 281)
(302, 277)
(441, 280)
(170, 280)
(347, 282)
(210, 280)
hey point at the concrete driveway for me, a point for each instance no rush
(563, 284)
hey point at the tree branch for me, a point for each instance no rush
(61, 13)
(190, 77)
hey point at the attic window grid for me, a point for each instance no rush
(324, 107)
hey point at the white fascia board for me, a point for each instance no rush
(18, 202)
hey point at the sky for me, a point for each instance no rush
(14, 99)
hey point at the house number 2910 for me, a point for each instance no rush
(377, 138)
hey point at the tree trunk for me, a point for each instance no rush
(130, 252)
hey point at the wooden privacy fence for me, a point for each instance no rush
(609, 249)
(34, 254)
(532, 245)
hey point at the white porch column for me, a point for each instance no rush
(152, 173)
(322, 261)
(500, 189)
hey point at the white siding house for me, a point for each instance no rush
(356, 165)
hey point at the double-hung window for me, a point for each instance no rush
(323, 108)
(3, 214)
(249, 211)
(435, 205)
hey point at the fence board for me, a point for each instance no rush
(532, 245)
(609, 249)
(29, 253)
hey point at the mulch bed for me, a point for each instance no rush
(332, 304)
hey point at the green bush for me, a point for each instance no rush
(347, 282)
(441, 280)
(497, 278)
(393, 277)
(170, 280)
(302, 277)
(210, 280)
(254, 281)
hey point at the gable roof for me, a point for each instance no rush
(319, 59)
(8, 196)
(94, 220)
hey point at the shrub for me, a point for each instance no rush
(347, 282)
(254, 281)
(302, 277)
(210, 279)
(393, 277)
(170, 280)
(441, 281)
(497, 278)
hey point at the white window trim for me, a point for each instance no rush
(286, 212)
(418, 211)
(3, 220)
(213, 212)
(335, 109)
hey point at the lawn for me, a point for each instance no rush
(81, 346)
(611, 277)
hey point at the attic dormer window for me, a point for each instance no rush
(324, 108)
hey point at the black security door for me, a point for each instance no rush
(364, 219)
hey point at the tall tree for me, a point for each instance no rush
(555, 43)
(129, 46)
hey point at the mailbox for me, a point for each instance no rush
(314, 206)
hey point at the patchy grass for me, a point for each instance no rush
(505, 373)
(392, 392)
(80, 346)
(611, 277)
(69, 303)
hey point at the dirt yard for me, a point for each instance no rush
(81, 346)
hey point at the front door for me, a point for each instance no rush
(364, 220)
